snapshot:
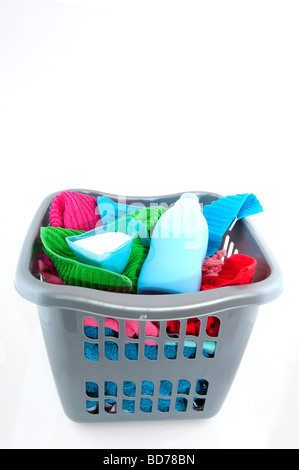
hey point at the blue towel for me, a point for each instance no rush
(91, 351)
(129, 390)
(220, 215)
(131, 349)
(110, 211)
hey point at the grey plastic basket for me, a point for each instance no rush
(196, 387)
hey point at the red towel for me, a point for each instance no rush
(237, 269)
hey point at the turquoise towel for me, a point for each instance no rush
(110, 211)
(221, 213)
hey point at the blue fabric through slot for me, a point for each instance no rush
(147, 388)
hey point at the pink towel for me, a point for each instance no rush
(90, 322)
(50, 274)
(73, 210)
(213, 265)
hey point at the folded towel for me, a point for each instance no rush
(73, 210)
(220, 215)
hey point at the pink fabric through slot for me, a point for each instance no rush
(132, 329)
(112, 324)
(152, 328)
(90, 322)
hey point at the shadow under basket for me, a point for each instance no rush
(104, 376)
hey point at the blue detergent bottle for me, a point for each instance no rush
(177, 250)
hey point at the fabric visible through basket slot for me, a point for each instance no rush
(153, 328)
(131, 349)
(147, 389)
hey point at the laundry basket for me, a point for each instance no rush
(93, 386)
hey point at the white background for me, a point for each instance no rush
(150, 98)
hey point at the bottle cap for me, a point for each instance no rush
(189, 196)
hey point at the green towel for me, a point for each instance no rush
(74, 273)
(148, 217)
